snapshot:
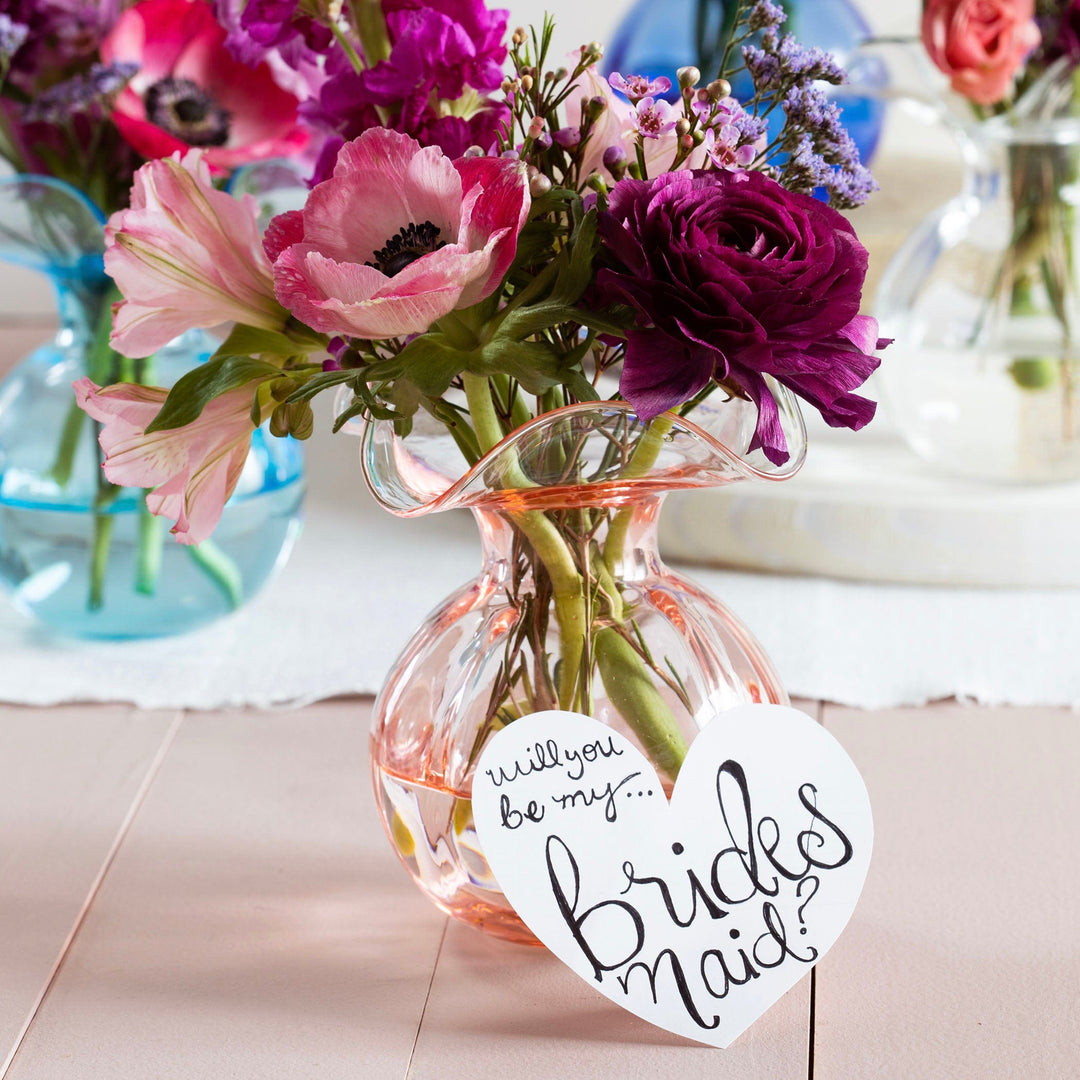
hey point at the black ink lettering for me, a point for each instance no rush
(607, 795)
(680, 982)
(568, 910)
(747, 854)
(697, 890)
(730, 979)
(775, 931)
(803, 838)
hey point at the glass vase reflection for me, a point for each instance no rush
(983, 301)
(77, 553)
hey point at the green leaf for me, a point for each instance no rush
(197, 388)
(252, 341)
(535, 364)
(574, 278)
(431, 364)
(322, 381)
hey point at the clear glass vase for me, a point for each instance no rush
(982, 301)
(573, 608)
(80, 555)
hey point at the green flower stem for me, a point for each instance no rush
(220, 569)
(631, 690)
(641, 461)
(99, 560)
(64, 463)
(148, 551)
(567, 587)
(100, 365)
(626, 677)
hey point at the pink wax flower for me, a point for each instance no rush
(980, 44)
(193, 469)
(653, 118)
(186, 255)
(618, 126)
(190, 91)
(398, 237)
(636, 87)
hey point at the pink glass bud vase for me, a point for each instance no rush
(573, 608)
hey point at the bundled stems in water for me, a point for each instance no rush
(578, 583)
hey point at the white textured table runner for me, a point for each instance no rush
(360, 581)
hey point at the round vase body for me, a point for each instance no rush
(83, 557)
(983, 304)
(645, 651)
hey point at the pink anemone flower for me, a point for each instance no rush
(398, 237)
(189, 91)
(193, 469)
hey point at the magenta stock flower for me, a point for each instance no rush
(189, 91)
(398, 237)
(194, 468)
(186, 255)
(734, 277)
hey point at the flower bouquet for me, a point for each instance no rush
(983, 298)
(606, 297)
(88, 93)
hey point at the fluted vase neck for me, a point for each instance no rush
(592, 454)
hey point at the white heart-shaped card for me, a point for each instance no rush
(695, 914)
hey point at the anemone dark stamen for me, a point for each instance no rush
(184, 109)
(409, 243)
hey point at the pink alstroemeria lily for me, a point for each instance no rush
(398, 237)
(186, 255)
(193, 469)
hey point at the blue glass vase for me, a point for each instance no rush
(77, 553)
(656, 39)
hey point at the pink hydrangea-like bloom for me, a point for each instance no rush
(980, 44)
(186, 255)
(190, 91)
(398, 237)
(193, 469)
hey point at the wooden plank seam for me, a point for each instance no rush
(427, 997)
(95, 887)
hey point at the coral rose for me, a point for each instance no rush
(194, 468)
(734, 277)
(189, 91)
(398, 237)
(980, 44)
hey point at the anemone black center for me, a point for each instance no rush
(186, 110)
(406, 246)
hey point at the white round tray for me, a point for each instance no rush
(865, 508)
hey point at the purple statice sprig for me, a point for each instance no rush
(821, 152)
(89, 92)
(13, 36)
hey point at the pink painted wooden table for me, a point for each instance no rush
(210, 895)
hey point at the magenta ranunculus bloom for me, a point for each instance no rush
(398, 237)
(190, 92)
(735, 277)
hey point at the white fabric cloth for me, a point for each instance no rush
(360, 581)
